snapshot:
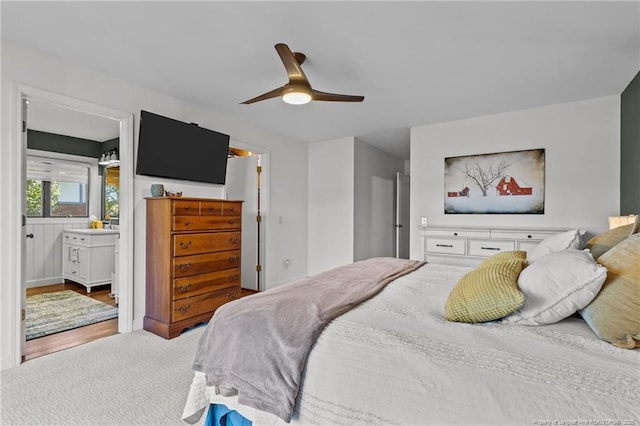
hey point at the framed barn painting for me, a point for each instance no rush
(500, 183)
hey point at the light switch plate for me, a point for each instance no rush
(423, 220)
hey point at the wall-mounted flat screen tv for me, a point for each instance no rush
(174, 149)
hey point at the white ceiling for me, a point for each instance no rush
(415, 62)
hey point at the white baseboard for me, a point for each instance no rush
(44, 281)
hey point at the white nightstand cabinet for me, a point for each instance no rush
(465, 245)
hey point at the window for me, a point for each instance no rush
(57, 188)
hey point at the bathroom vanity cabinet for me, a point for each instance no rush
(88, 256)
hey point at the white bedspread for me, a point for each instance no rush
(394, 360)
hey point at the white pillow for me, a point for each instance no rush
(557, 242)
(556, 286)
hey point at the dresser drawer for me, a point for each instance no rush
(526, 245)
(231, 208)
(205, 222)
(211, 208)
(486, 248)
(445, 245)
(186, 207)
(185, 266)
(187, 244)
(455, 232)
(204, 283)
(202, 303)
(519, 235)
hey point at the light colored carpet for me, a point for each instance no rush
(127, 379)
(49, 313)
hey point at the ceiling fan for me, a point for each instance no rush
(298, 90)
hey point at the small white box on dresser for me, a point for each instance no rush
(467, 245)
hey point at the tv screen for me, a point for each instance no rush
(173, 149)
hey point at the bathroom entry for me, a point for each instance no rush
(72, 183)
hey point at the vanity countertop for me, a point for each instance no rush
(91, 231)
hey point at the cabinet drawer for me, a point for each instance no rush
(445, 245)
(86, 240)
(486, 248)
(205, 222)
(519, 235)
(205, 243)
(453, 232)
(204, 283)
(185, 266)
(186, 207)
(211, 207)
(231, 208)
(203, 303)
(526, 245)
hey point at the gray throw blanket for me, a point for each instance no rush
(257, 346)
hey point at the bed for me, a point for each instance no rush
(395, 358)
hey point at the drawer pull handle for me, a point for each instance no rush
(490, 248)
(455, 234)
(233, 259)
(186, 223)
(186, 207)
(210, 208)
(233, 240)
(184, 309)
(185, 246)
(231, 222)
(231, 209)
(184, 289)
(444, 245)
(184, 267)
(233, 277)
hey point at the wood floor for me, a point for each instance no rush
(56, 342)
(67, 339)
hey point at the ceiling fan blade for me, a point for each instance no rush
(335, 97)
(272, 94)
(294, 71)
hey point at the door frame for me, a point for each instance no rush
(14, 258)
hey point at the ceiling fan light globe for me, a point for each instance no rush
(296, 94)
(296, 98)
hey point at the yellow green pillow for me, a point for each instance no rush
(505, 255)
(602, 243)
(486, 293)
(614, 314)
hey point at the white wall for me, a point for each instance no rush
(331, 206)
(582, 163)
(288, 159)
(374, 201)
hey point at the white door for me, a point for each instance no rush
(381, 217)
(242, 184)
(402, 216)
(23, 244)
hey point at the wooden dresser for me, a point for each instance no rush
(193, 261)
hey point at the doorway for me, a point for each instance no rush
(246, 180)
(124, 122)
(68, 182)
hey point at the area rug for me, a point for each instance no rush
(49, 313)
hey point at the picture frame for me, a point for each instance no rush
(510, 182)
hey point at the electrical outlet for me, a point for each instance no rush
(423, 221)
